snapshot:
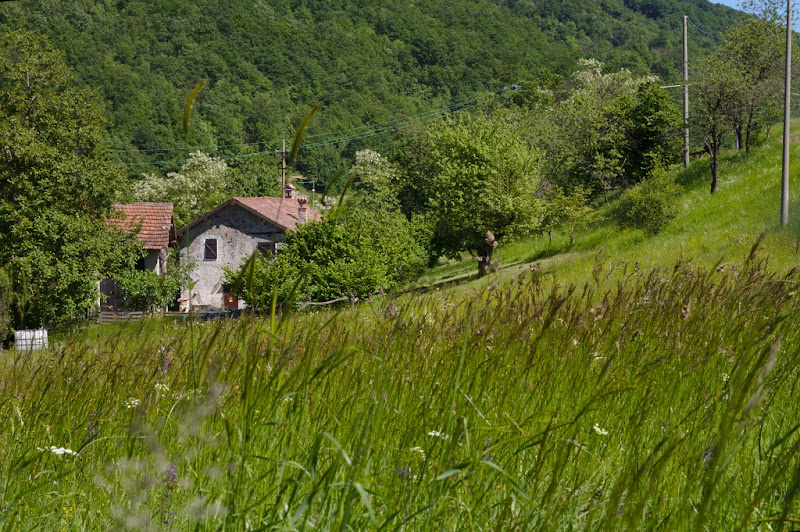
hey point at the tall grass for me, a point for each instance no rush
(666, 402)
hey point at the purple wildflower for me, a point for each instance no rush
(91, 429)
(709, 454)
(486, 456)
(170, 482)
(664, 425)
(165, 361)
(404, 473)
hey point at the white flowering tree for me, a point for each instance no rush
(200, 185)
(377, 179)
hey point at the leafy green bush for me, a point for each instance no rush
(359, 254)
(651, 204)
(6, 299)
(143, 290)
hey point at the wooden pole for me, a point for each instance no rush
(787, 115)
(283, 169)
(685, 93)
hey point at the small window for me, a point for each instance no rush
(210, 252)
(267, 249)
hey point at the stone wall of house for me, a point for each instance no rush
(238, 234)
(151, 262)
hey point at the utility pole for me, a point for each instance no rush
(283, 169)
(685, 93)
(787, 114)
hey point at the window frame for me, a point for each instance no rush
(210, 247)
(266, 248)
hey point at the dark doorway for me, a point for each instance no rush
(230, 301)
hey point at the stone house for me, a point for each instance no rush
(156, 232)
(228, 234)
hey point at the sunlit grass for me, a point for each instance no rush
(667, 402)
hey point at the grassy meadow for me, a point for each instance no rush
(665, 402)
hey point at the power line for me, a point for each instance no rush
(704, 32)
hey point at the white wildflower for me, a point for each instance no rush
(161, 387)
(600, 431)
(57, 450)
(131, 402)
(418, 450)
(725, 377)
(438, 434)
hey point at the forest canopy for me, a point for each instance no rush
(267, 63)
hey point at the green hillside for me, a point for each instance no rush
(709, 229)
(267, 63)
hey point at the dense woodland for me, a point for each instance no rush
(366, 62)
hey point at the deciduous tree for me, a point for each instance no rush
(716, 92)
(478, 176)
(57, 185)
(199, 186)
(755, 51)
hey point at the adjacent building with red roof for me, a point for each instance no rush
(155, 229)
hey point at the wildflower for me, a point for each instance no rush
(163, 367)
(405, 473)
(418, 450)
(664, 425)
(91, 427)
(170, 481)
(486, 456)
(709, 454)
(160, 387)
(438, 434)
(725, 377)
(60, 451)
(600, 431)
(131, 402)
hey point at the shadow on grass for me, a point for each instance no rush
(698, 173)
(544, 253)
(447, 282)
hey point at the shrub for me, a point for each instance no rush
(6, 301)
(651, 204)
(144, 290)
(359, 254)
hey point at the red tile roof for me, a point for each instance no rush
(157, 230)
(283, 212)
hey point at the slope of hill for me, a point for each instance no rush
(267, 63)
(709, 229)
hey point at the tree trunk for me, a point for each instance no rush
(748, 131)
(713, 159)
(484, 264)
(485, 251)
(739, 139)
(550, 235)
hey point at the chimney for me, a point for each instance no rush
(302, 208)
(288, 191)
